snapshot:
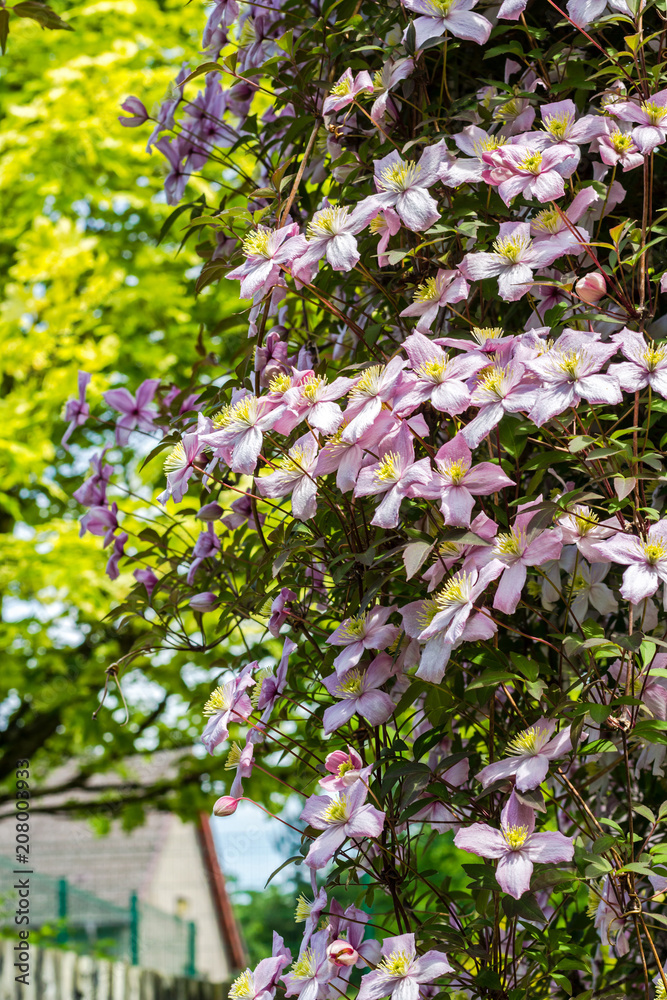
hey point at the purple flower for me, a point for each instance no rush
(358, 693)
(344, 769)
(580, 527)
(646, 559)
(209, 512)
(223, 12)
(365, 631)
(447, 286)
(532, 750)
(176, 151)
(273, 685)
(402, 973)
(267, 252)
(644, 683)
(331, 234)
(453, 16)
(346, 89)
(312, 972)
(312, 401)
(340, 818)
(385, 225)
(93, 491)
(513, 260)
(205, 547)
(135, 410)
(436, 377)
(206, 601)
(403, 185)
(238, 431)
(100, 521)
(242, 512)
(148, 578)
(136, 110)
(179, 464)
(229, 703)
(517, 549)
(646, 364)
(498, 391)
(473, 141)
(522, 169)
(347, 458)
(295, 474)
(395, 476)
(456, 482)
(77, 411)
(551, 230)
(564, 132)
(651, 119)
(261, 983)
(616, 145)
(118, 550)
(570, 372)
(278, 613)
(392, 72)
(515, 846)
(375, 386)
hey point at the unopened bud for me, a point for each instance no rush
(206, 601)
(209, 512)
(225, 806)
(591, 288)
(342, 953)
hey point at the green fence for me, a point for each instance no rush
(139, 933)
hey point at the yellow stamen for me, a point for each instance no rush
(219, 701)
(242, 988)
(369, 382)
(389, 468)
(531, 162)
(511, 247)
(559, 125)
(257, 244)
(395, 966)
(399, 176)
(515, 836)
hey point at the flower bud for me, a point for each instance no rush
(206, 601)
(591, 288)
(341, 953)
(136, 109)
(209, 512)
(225, 806)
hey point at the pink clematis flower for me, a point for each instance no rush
(564, 132)
(532, 751)
(644, 684)
(267, 252)
(261, 983)
(375, 386)
(344, 769)
(581, 527)
(358, 693)
(349, 926)
(93, 491)
(365, 631)
(228, 703)
(514, 258)
(313, 401)
(135, 410)
(403, 185)
(570, 372)
(454, 16)
(100, 521)
(616, 145)
(295, 474)
(346, 89)
(449, 553)
(341, 817)
(402, 974)
(498, 391)
(385, 225)
(515, 846)
(312, 972)
(649, 117)
(180, 463)
(646, 363)
(526, 170)
(331, 235)
(456, 482)
(433, 294)
(238, 432)
(550, 229)
(646, 559)
(436, 377)
(77, 411)
(473, 141)
(517, 549)
(392, 72)
(395, 476)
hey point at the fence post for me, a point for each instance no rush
(134, 929)
(62, 910)
(192, 940)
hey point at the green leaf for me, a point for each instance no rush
(41, 13)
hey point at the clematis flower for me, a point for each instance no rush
(267, 252)
(118, 550)
(585, 584)
(456, 482)
(176, 152)
(100, 521)
(385, 225)
(583, 12)
(474, 142)
(395, 476)
(449, 553)
(433, 294)
(135, 410)
(243, 760)
(344, 769)
(313, 401)
(591, 288)
(549, 229)
(93, 491)
(340, 818)
(278, 613)
(646, 559)
(402, 974)
(532, 751)
(136, 113)
(347, 458)
(515, 846)
(526, 170)
(517, 549)
(403, 185)
(206, 601)
(644, 684)
(454, 16)
(581, 527)
(77, 411)
(331, 234)
(346, 89)
(610, 920)
(312, 972)
(514, 258)
(148, 578)
(358, 693)
(375, 386)
(564, 132)
(616, 145)
(260, 983)
(242, 511)
(646, 363)
(392, 72)
(436, 377)
(308, 912)
(649, 117)
(498, 391)
(440, 621)
(228, 703)
(180, 463)
(204, 548)
(295, 474)
(570, 372)
(365, 631)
